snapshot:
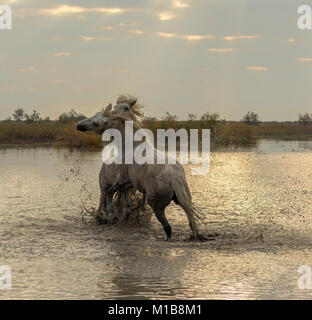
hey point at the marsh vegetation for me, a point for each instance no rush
(32, 129)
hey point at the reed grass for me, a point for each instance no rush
(49, 133)
(287, 131)
(58, 134)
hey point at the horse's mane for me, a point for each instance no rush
(136, 109)
(137, 124)
(107, 111)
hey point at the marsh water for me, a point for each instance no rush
(257, 212)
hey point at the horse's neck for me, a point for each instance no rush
(135, 143)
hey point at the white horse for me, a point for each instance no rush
(108, 173)
(161, 183)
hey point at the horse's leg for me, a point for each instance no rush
(193, 226)
(142, 204)
(123, 190)
(186, 205)
(109, 207)
(124, 198)
(192, 223)
(126, 204)
(160, 215)
(118, 198)
(100, 216)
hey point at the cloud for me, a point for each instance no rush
(186, 37)
(165, 16)
(305, 59)
(179, 4)
(241, 37)
(197, 37)
(167, 35)
(27, 69)
(10, 2)
(59, 81)
(122, 24)
(61, 54)
(10, 88)
(137, 31)
(108, 27)
(86, 38)
(220, 50)
(66, 10)
(257, 68)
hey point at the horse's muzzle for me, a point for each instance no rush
(81, 127)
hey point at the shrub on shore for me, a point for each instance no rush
(50, 133)
(222, 133)
(60, 134)
(23, 132)
(70, 137)
(282, 131)
(236, 134)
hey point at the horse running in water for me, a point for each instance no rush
(108, 173)
(160, 183)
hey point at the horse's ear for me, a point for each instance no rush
(132, 103)
(108, 108)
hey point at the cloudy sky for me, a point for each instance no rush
(226, 56)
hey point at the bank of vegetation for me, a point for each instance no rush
(24, 129)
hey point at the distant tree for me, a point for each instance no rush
(211, 117)
(150, 119)
(71, 116)
(8, 119)
(26, 117)
(169, 117)
(191, 116)
(18, 114)
(251, 118)
(209, 120)
(47, 119)
(35, 116)
(305, 119)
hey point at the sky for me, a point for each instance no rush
(177, 56)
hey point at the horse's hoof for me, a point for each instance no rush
(112, 221)
(201, 238)
(100, 220)
(198, 238)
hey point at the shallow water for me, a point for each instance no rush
(257, 208)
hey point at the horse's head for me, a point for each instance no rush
(97, 123)
(126, 111)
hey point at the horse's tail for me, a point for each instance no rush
(184, 199)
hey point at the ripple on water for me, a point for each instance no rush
(256, 208)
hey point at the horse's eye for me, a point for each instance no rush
(126, 108)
